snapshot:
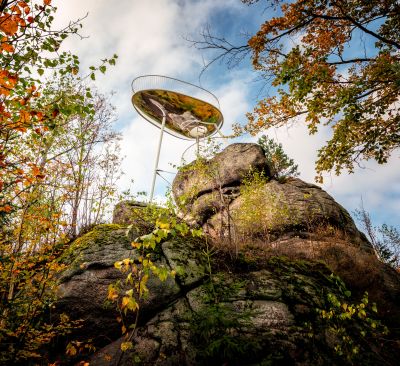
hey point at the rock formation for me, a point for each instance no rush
(208, 194)
(260, 298)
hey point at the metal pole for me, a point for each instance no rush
(158, 105)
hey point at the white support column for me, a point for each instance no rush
(158, 149)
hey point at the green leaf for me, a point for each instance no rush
(93, 76)
(40, 72)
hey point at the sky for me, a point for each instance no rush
(150, 37)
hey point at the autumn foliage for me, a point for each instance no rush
(51, 127)
(330, 63)
(335, 63)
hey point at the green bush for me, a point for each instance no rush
(280, 164)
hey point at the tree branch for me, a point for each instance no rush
(342, 62)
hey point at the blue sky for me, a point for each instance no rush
(149, 38)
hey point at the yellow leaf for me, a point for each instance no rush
(107, 357)
(126, 261)
(126, 345)
(136, 245)
(129, 292)
(163, 225)
(71, 350)
(112, 293)
(125, 301)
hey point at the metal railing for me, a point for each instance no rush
(160, 82)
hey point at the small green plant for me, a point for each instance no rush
(140, 269)
(385, 239)
(261, 210)
(217, 327)
(280, 164)
(345, 318)
(352, 326)
(218, 333)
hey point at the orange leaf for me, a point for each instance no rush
(21, 22)
(6, 46)
(7, 81)
(15, 9)
(46, 2)
(25, 116)
(9, 24)
(35, 170)
(4, 91)
(6, 208)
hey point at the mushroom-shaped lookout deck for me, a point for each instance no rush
(181, 109)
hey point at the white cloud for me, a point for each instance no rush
(377, 185)
(148, 37)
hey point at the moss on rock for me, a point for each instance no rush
(102, 246)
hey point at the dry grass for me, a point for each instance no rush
(360, 270)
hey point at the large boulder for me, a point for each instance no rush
(278, 208)
(226, 169)
(252, 308)
(133, 213)
(263, 316)
(271, 295)
(212, 194)
(90, 270)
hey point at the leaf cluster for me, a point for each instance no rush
(354, 325)
(281, 166)
(329, 63)
(218, 327)
(139, 270)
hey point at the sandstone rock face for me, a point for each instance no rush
(255, 307)
(286, 207)
(167, 338)
(84, 285)
(215, 200)
(251, 311)
(131, 212)
(224, 170)
(122, 214)
(263, 307)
